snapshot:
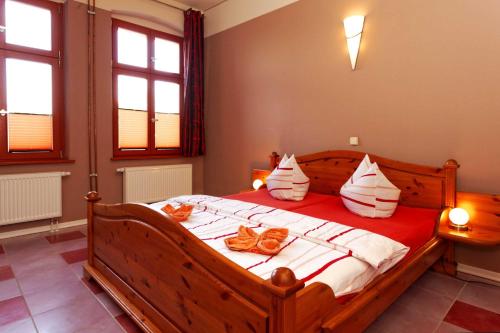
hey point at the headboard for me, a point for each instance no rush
(421, 186)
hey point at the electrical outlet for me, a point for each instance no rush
(354, 141)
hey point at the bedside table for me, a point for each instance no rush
(484, 230)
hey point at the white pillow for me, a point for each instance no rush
(300, 181)
(280, 181)
(369, 193)
(287, 181)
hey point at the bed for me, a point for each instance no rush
(168, 280)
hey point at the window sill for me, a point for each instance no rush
(35, 162)
(149, 157)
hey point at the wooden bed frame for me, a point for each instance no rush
(168, 280)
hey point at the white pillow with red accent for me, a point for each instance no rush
(369, 193)
(280, 181)
(287, 181)
(301, 182)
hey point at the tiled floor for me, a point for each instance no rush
(42, 290)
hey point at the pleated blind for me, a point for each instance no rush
(167, 130)
(28, 132)
(133, 125)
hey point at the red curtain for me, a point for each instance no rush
(193, 131)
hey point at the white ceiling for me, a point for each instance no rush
(200, 4)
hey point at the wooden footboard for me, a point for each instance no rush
(169, 281)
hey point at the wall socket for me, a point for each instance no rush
(354, 141)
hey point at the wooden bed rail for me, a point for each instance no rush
(163, 276)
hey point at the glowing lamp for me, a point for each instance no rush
(353, 26)
(257, 184)
(459, 219)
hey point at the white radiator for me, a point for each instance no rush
(30, 197)
(156, 183)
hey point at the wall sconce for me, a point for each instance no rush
(353, 26)
(257, 184)
(459, 219)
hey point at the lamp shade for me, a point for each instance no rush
(353, 26)
(459, 218)
(257, 183)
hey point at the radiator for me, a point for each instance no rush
(30, 197)
(156, 183)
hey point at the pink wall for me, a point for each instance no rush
(75, 64)
(425, 90)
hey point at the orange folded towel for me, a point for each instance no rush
(180, 214)
(248, 240)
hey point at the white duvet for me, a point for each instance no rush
(344, 258)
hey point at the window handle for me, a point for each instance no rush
(154, 120)
(3, 28)
(3, 113)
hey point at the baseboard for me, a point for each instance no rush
(479, 272)
(44, 228)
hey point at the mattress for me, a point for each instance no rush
(308, 258)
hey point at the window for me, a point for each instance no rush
(31, 102)
(147, 89)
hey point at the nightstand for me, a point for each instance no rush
(484, 230)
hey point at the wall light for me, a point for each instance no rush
(459, 219)
(257, 184)
(353, 26)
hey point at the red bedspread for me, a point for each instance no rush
(410, 226)
(262, 197)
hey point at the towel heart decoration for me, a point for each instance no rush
(250, 241)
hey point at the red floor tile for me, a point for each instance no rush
(93, 286)
(62, 237)
(6, 273)
(128, 324)
(12, 310)
(473, 318)
(75, 256)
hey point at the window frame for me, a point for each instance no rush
(151, 75)
(52, 57)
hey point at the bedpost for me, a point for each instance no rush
(447, 264)
(283, 285)
(450, 172)
(92, 198)
(274, 160)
